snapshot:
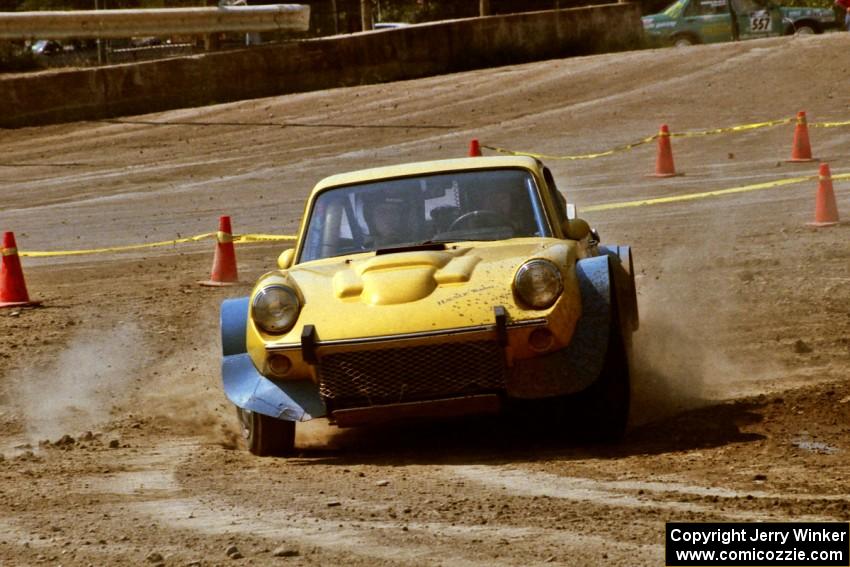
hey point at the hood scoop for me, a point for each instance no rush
(389, 279)
(415, 247)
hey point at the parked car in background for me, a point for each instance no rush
(147, 41)
(687, 22)
(388, 25)
(46, 47)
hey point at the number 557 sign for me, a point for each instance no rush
(760, 21)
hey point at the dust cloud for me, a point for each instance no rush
(670, 363)
(183, 390)
(682, 352)
(319, 434)
(130, 374)
(75, 393)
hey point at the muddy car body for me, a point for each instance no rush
(688, 22)
(432, 289)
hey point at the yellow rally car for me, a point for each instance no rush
(433, 289)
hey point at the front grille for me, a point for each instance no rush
(395, 375)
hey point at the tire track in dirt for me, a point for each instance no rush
(435, 542)
(149, 487)
(159, 496)
(627, 494)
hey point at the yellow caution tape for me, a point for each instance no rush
(8, 251)
(713, 131)
(223, 237)
(829, 124)
(731, 129)
(242, 238)
(34, 254)
(578, 157)
(251, 238)
(248, 238)
(706, 194)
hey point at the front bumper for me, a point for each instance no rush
(481, 404)
(420, 368)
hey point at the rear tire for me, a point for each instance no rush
(805, 30)
(683, 41)
(264, 435)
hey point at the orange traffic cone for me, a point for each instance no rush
(13, 288)
(224, 263)
(664, 159)
(802, 150)
(826, 211)
(474, 148)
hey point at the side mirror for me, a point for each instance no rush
(575, 229)
(285, 259)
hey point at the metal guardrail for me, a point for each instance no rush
(93, 24)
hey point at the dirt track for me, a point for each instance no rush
(742, 405)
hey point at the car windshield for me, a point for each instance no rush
(674, 10)
(491, 204)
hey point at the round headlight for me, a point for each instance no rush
(538, 283)
(275, 309)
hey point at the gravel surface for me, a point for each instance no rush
(117, 445)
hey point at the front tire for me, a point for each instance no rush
(603, 408)
(264, 435)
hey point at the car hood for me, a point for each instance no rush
(798, 13)
(415, 291)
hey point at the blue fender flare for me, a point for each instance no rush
(624, 283)
(578, 365)
(244, 386)
(606, 284)
(585, 355)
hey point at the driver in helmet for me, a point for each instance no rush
(387, 219)
(501, 202)
(497, 208)
(510, 207)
